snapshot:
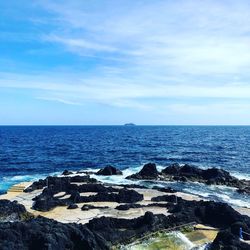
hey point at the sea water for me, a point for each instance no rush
(31, 152)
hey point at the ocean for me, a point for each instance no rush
(32, 152)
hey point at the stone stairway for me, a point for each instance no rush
(18, 188)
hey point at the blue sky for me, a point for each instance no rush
(119, 61)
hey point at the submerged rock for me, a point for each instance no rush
(109, 170)
(148, 172)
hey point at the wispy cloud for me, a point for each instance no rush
(131, 52)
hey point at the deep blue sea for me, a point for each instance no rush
(32, 152)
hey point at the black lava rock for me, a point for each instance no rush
(148, 172)
(165, 189)
(225, 240)
(88, 207)
(208, 176)
(109, 170)
(72, 206)
(42, 233)
(11, 211)
(167, 198)
(67, 172)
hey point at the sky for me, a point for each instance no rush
(101, 62)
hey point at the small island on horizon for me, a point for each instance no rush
(129, 124)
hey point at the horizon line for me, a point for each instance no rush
(121, 125)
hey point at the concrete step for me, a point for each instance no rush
(17, 188)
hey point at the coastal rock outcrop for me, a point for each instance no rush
(191, 173)
(88, 207)
(47, 199)
(109, 170)
(226, 240)
(58, 182)
(12, 211)
(167, 198)
(105, 232)
(42, 233)
(148, 172)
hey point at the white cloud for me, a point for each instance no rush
(208, 37)
(184, 49)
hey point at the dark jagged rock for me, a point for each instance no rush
(42, 233)
(193, 173)
(219, 215)
(225, 240)
(109, 170)
(123, 196)
(167, 198)
(12, 211)
(185, 173)
(128, 206)
(85, 178)
(88, 207)
(67, 172)
(132, 205)
(173, 169)
(244, 190)
(58, 182)
(47, 201)
(72, 206)
(165, 190)
(132, 186)
(117, 230)
(148, 172)
(104, 232)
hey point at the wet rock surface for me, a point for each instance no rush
(208, 176)
(185, 173)
(109, 170)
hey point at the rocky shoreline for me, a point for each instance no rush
(190, 173)
(155, 209)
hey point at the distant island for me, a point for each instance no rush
(129, 124)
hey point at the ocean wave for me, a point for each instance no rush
(7, 181)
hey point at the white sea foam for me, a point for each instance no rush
(8, 181)
(241, 176)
